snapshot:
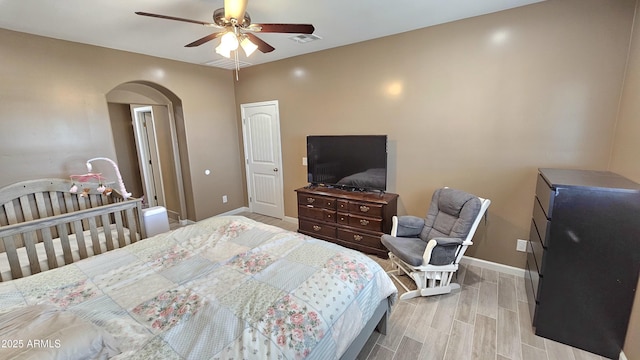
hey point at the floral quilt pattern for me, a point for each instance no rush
(166, 309)
(226, 287)
(294, 326)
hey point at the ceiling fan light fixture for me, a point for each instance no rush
(224, 51)
(248, 46)
(229, 41)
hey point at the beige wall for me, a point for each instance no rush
(625, 159)
(477, 104)
(54, 113)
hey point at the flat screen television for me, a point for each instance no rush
(355, 162)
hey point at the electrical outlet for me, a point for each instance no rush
(304, 161)
(521, 245)
(224, 199)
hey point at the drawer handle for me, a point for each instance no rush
(364, 222)
(329, 216)
(357, 237)
(329, 203)
(310, 199)
(317, 228)
(364, 208)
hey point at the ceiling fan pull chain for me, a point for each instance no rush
(237, 64)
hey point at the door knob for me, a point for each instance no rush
(275, 169)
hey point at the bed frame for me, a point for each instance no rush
(378, 322)
(43, 218)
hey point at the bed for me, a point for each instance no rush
(225, 287)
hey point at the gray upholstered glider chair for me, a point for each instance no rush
(429, 249)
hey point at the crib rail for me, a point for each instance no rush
(35, 214)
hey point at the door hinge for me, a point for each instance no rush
(149, 162)
(250, 199)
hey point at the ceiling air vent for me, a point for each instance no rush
(305, 38)
(228, 64)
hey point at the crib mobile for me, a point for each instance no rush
(97, 177)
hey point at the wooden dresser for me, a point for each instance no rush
(583, 258)
(350, 218)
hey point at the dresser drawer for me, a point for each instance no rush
(318, 201)
(532, 273)
(317, 213)
(541, 221)
(365, 223)
(360, 238)
(343, 205)
(365, 209)
(312, 227)
(536, 248)
(342, 218)
(531, 294)
(545, 196)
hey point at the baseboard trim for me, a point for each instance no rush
(235, 211)
(622, 356)
(492, 266)
(290, 219)
(185, 222)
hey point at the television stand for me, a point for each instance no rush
(354, 219)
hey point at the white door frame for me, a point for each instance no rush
(277, 154)
(148, 155)
(176, 161)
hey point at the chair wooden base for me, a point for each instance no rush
(430, 280)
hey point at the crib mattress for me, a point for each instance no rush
(5, 269)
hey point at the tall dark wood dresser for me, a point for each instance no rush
(583, 258)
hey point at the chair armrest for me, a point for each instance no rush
(407, 226)
(441, 251)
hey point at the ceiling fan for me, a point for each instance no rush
(237, 29)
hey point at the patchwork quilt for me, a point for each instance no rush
(224, 288)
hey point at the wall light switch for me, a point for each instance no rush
(304, 161)
(521, 245)
(224, 199)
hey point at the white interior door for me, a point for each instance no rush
(263, 157)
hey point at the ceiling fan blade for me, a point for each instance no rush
(234, 9)
(205, 39)
(262, 46)
(283, 28)
(174, 18)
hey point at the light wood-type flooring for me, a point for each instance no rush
(488, 319)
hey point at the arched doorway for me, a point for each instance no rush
(148, 132)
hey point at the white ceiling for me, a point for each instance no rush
(113, 24)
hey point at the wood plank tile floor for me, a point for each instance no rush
(488, 319)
